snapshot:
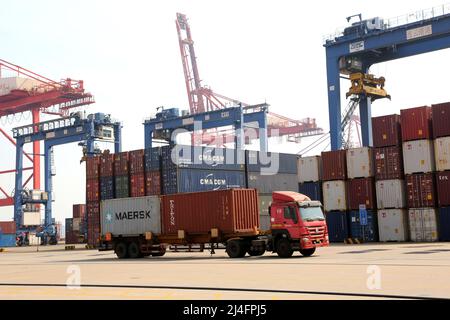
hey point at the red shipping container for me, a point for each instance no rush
(361, 192)
(420, 190)
(441, 119)
(388, 163)
(107, 165)
(152, 183)
(78, 210)
(443, 188)
(136, 161)
(92, 167)
(416, 123)
(386, 131)
(231, 211)
(137, 185)
(92, 190)
(334, 165)
(121, 166)
(7, 227)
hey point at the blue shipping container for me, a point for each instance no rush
(194, 180)
(271, 162)
(444, 224)
(311, 189)
(369, 232)
(106, 188)
(337, 225)
(152, 158)
(7, 240)
(207, 158)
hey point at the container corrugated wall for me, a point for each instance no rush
(360, 163)
(122, 186)
(361, 192)
(131, 216)
(420, 190)
(137, 185)
(268, 184)
(152, 183)
(121, 166)
(8, 227)
(443, 188)
(334, 165)
(441, 119)
(386, 131)
(416, 123)
(136, 162)
(311, 189)
(334, 195)
(388, 163)
(7, 240)
(271, 162)
(444, 224)
(366, 233)
(390, 194)
(418, 156)
(423, 225)
(106, 165)
(337, 226)
(393, 225)
(442, 153)
(231, 211)
(309, 169)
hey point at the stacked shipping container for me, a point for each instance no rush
(92, 200)
(7, 234)
(76, 226)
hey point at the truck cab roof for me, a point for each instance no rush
(289, 196)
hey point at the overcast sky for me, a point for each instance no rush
(127, 53)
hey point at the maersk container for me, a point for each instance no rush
(444, 224)
(7, 240)
(423, 225)
(196, 180)
(271, 163)
(386, 131)
(393, 225)
(309, 169)
(337, 226)
(311, 189)
(418, 156)
(8, 227)
(231, 211)
(334, 165)
(122, 186)
(106, 188)
(205, 158)
(416, 123)
(366, 232)
(360, 163)
(361, 192)
(390, 194)
(269, 184)
(334, 195)
(388, 163)
(421, 190)
(443, 188)
(152, 159)
(130, 216)
(442, 153)
(441, 119)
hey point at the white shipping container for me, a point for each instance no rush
(130, 216)
(423, 225)
(76, 224)
(309, 169)
(393, 225)
(334, 195)
(33, 240)
(442, 153)
(360, 163)
(418, 156)
(18, 83)
(31, 218)
(390, 194)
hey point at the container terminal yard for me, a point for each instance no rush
(224, 199)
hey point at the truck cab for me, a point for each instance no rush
(297, 223)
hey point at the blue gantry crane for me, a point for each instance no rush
(367, 42)
(75, 128)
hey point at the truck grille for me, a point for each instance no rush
(316, 232)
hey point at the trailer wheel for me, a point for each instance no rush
(121, 250)
(236, 249)
(256, 253)
(284, 248)
(134, 251)
(307, 252)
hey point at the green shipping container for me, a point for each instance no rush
(122, 186)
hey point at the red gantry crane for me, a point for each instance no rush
(27, 91)
(203, 99)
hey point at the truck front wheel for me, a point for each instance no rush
(134, 251)
(284, 248)
(307, 252)
(236, 249)
(121, 250)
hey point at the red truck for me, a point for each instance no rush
(144, 226)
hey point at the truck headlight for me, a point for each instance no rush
(305, 239)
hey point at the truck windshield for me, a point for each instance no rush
(312, 214)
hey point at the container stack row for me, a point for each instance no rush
(7, 234)
(76, 226)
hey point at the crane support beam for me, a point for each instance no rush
(374, 47)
